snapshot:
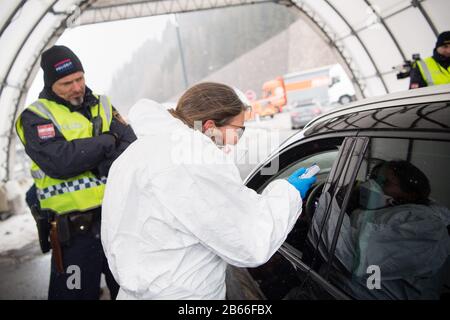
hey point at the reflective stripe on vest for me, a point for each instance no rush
(104, 103)
(37, 174)
(432, 72)
(43, 109)
(70, 186)
(84, 191)
(425, 72)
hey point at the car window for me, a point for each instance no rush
(324, 154)
(324, 159)
(392, 239)
(281, 277)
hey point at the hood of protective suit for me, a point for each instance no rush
(148, 117)
(176, 211)
(152, 122)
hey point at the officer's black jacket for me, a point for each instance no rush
(416, 79)
(63, 159)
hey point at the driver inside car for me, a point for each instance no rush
(397, 228)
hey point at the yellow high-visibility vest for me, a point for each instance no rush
(80, 193)
(433, 73)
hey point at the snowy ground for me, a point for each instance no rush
(16, 232)
(24, 270)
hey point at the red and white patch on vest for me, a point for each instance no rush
(46, 131)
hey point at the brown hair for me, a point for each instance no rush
(208, 101)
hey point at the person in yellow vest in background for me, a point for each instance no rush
(434, 70)
(72, 137)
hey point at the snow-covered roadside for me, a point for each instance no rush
(17, 231)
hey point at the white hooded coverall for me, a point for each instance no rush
(176, 211)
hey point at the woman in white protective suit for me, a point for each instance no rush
(176, 211)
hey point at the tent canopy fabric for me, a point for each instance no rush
(370, 37)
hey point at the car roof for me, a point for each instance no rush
(418, 109)
(408, 110)
(373, 109)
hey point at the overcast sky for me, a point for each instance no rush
(104, 47)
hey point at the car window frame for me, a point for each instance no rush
(369, 135)
(255, 176)
(347, 177)
(404, 134)
(289, 252)
(349, 146)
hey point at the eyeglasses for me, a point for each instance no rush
(224, 124)
(239, 132)
(236, 126)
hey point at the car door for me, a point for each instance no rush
(389, 237)
(348, 257)
(288, 272)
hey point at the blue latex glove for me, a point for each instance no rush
(302, 185)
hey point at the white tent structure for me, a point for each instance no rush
(369, 37)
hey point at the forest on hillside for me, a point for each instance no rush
(209, 40)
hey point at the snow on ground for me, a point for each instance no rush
(17, 231)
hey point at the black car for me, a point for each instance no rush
(376, 223)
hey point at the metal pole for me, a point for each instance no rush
(418, 5)
(180, 47)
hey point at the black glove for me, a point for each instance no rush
(124, 131)
(103, 167)
(124, 136)
(116, 137)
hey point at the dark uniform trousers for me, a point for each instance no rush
(84, 262)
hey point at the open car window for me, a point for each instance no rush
(324, 160)
(324, 153)
(281, 277)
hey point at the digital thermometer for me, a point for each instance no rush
(311, 172)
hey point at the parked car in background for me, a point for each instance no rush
(376, 223)
(301, 114)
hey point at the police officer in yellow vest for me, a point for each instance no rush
(434, 70)
(72, 137)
